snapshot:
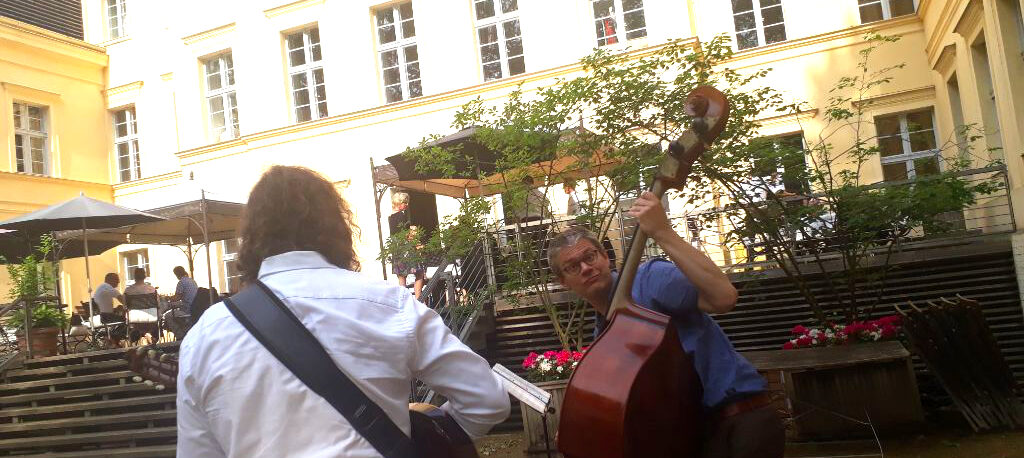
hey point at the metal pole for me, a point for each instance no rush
(206, 241)
(380, 234)
(88, 277)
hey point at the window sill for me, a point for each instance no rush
(108, 43)
(641, 42)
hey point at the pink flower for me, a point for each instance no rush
(563, 357)
(576, 356)
(550, 354)
(530, 359)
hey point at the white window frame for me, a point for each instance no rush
(309, 67)
(116, 14)
(399, 46)
(23, 131)
(908, 157)
(886, 9)
(498, 21)
(230, 257)
(129, 269)
(618, 18)
(759, 25)
(225, 94)
(131, 139)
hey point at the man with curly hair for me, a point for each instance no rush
(235, 399)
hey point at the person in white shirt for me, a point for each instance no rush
(103, 297)
(235, 399)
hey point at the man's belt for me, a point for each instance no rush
(744, 405)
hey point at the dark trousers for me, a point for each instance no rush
(754, 434)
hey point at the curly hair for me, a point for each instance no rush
(295, 209)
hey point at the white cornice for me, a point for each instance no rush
(290, 7)
(895, 98)
(212, 33)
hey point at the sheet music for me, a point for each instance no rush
(524, 391)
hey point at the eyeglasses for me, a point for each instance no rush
(574, 267)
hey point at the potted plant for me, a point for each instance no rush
(32, 280)
(549, 371)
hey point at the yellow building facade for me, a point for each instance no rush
(215, 92)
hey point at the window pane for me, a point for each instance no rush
(389, 59)
(775, 33)
(35, 118)
(411, 53)
(37, 144)
(412, 71)
(217, 120)
(745, 40)
(314, 52)
(603, 8)
(887, 125)
(216, 104)
(508, 6)
(771, 15)
(484, 9)
(299, 81)
(926, 166)
(511, 29)
(321, 109)
(514, 47)
(489, 53)
(415, 89)
(405, 10)
(488, 34)
(386, 34)
(17, 116)
(296, 58)
(922, 141)
(302, 114)
(871, 13)
(318, 76)
(314, 35)
(919, 120)
(301, 97)
(229, 63)
(894, 172)
(385, 16)
(320, 92)
(901, 7)
(630, 5)
(890, 146)
(408, 29)
(637, 18)
(392, 76)
(744, 21)
(393, 93)
(294, 41)
(492, 71)
(739, 6)
(516, 65)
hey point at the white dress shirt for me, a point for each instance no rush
(104, 296)
(235, 399)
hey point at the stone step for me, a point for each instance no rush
(92, 356)
(56, 382)
(88, 406)
(169, 432)
(76, 394)
(50, 427)
(62, 371)
(154, 451)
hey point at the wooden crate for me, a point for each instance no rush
(836, 392)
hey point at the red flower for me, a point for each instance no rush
(563, 357)
(530, 359)
(787, 345)
(803, 341)
(889, 330)
(799, 330)
(550, 354)
(576, 355)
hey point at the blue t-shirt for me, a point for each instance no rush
(725, 375)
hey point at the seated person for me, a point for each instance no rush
(78, 328)
(186, 289)
(140, 286)
(103, 297)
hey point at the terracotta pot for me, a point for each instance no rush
(533, 423)
(44, 342)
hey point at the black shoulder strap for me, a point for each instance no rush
(281, 332)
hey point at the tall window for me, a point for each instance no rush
(116, 15)
(232, 276)
(126, 142)
(30, 138)
(132, 260)
(399, 58)
(220, 97)
(907, 145)
(613, 18)
(501, 42)
(758, 22)
(877, 10)
(306, 71)
(781, 166)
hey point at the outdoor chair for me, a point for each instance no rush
(141, 315)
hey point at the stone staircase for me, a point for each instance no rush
(84, 405)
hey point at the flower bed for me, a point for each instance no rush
(551, 365)
(885, 328)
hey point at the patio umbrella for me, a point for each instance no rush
(15, 245)
(78, 213)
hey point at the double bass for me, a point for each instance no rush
(636, 393)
